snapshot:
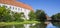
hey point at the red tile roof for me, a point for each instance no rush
(16, 3)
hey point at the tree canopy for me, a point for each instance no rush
(4, 14)
(56, 16)
(32, 15)
(56, 19)
(7, 16)
(40, 15)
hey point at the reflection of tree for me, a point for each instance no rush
(56, 19)
(41, 25)
(19, 26)
(56, 23)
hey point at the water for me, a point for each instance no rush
(42, 25)
(50, 25)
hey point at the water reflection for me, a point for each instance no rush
(50, 25)
(57, 24)
(42, 25)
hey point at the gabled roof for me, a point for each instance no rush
(16, 3)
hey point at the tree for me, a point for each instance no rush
(8, 16)
(17, 17)
(56, 19)
(40, 15)
(56, 16)
(32, 15)
(4, 14)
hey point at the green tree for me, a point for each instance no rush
(56, 16)
(4, 14)
(32, 15)
(8, 16)
(17, 17)
(40, 15)
(56, 19)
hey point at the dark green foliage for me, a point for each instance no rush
(40, 15)
(4, 14)
(57, 18)
(17, 17)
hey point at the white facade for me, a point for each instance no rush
(17, 9)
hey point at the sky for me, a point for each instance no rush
(50, 7)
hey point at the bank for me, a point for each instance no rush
(17, 23)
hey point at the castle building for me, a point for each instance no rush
(16, 6)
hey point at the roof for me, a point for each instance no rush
(16, 3)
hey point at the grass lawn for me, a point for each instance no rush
(17, 23)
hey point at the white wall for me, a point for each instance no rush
(17, 9)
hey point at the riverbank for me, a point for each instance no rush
(17, 23)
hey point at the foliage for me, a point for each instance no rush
(56, 19)
(8, 16)
(4, 14)
(18, 16)
(32, 15)
(40, 15)
(56, 16)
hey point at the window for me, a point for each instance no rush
(0, 5)
(18, 9)
(13, 7)
(6, 6)
(10, 7)
(25, 10)
(21, 9)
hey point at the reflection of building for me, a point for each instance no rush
(16, 6)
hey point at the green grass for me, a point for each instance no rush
(17, 23)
